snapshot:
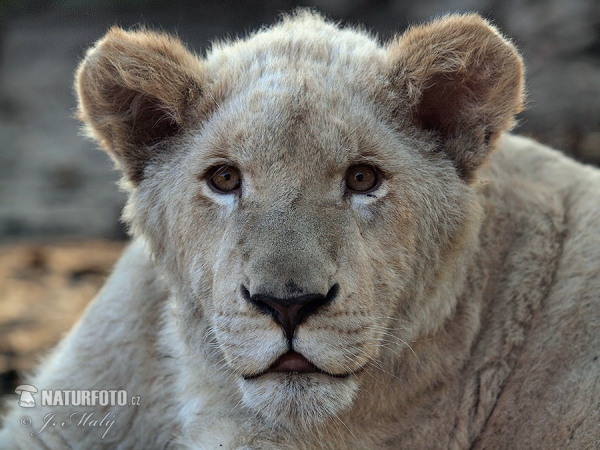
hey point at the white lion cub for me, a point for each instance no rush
(335, 246)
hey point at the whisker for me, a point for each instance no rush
(347, 428)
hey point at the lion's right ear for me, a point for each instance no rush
(137, 89)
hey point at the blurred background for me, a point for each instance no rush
(59, 205)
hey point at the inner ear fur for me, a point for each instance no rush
(135, 90)
(462, 80)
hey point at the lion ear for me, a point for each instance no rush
(136, 90)
(463, 81)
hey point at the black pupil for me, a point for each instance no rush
(226, 175)
(360, 177)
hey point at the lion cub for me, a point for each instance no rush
(335, 246)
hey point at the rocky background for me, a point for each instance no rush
(59, 204)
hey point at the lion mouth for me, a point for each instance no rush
(294, 363)
(290, 362)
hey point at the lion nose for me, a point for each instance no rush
(290, 312)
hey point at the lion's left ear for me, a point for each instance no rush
(463, 81)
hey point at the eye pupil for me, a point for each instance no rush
(225, 180)
(362, 178)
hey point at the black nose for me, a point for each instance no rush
(290, 312)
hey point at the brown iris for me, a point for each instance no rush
(362, 179)
(225, 180)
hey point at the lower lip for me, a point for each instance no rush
(293, 362)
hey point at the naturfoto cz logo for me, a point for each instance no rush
(75, 397)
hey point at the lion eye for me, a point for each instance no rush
(362, 179)
(225, 180)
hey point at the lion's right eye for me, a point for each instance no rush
(225, 180)
(362, 179)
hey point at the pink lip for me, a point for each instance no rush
(293, 362)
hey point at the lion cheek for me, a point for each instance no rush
(248, 346)
(340, 350)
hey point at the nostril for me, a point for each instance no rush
(264, 307)
(319, 301)
(290, 312)
(267, 305)
(245, 293)
(333, 292)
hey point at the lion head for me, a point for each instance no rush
(306, 191)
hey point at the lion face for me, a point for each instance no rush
(302, 255)
(304, 192)
(298, 307)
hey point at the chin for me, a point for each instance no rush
(298, 400)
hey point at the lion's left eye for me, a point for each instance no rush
(362, 179)
(226, 180)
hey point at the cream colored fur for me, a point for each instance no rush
(467, 309)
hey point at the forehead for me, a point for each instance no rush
(281, 125)
(296, 98)
(302, 45)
